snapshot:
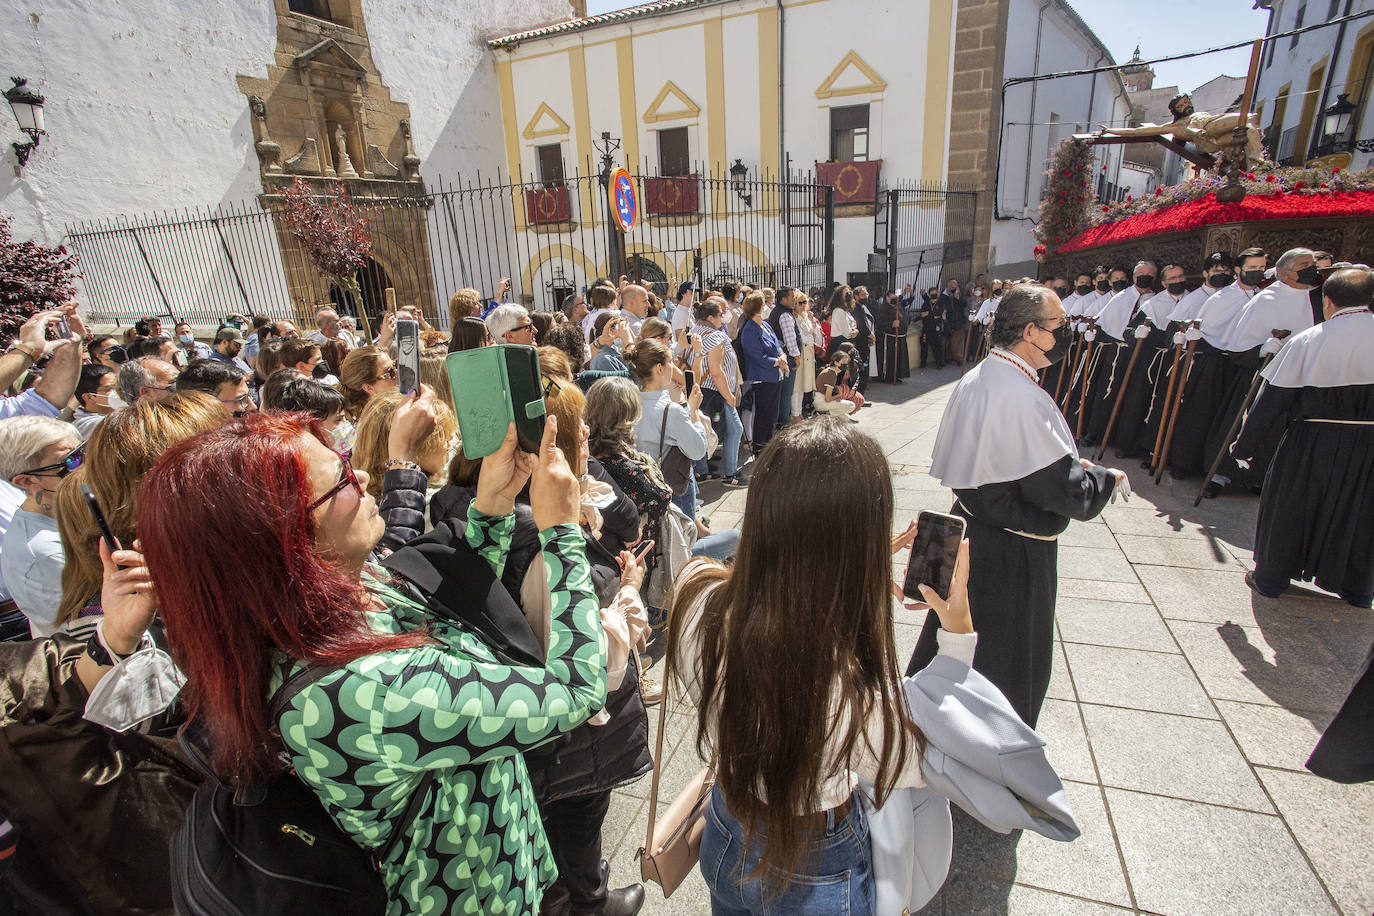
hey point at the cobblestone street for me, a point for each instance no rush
(1180, 714)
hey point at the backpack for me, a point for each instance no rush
(272, 848)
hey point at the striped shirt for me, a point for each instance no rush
(710, 339)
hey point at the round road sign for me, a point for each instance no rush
(624, 200)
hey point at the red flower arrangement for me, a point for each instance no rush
(32, 277)
(1064, 205)
(1182, 217)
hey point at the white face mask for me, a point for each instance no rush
(115, 401)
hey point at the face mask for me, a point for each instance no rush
(1220, 281)
(1252, 277)
(187, 339)
(1063, 342)
(1144, 282)
(1177, 289)
(1083, 289)
(115, 401)
(116, 355)
(1061, 291)
(321, 370)
(1119, 285)
(1103, 286)
(1310, 276)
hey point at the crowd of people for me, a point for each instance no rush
(261, 543)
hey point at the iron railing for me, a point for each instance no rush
(926, 232)
(550, 239)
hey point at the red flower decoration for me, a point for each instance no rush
(1299, 185)
(1336, 170)
(1129, 198)
(1270, 178)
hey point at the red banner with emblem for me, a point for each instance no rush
(854, 182)
(664, 196)
(547, 205)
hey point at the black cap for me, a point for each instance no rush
(1218, 258)
(686, 286)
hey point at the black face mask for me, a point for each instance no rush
(1061, 291)
(1083, 289)
(1220, 281)
(321, 370)
(1063, 342)
(1119, 285)
(1310, 276)
(1178, 289)
(1252, 277)
(1103, 286)
(1144, 282)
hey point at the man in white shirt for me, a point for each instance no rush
(682, 316)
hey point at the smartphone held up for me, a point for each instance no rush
(934, 554)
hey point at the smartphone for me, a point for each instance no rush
(64, 329)
(493, 387)
(933, 554)
(94, 505)
(408, 355)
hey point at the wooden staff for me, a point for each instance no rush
(1173, 405)
(1120, 396)
(1087, 373)
(1239, 418)
(968, 335)
(1071, 364)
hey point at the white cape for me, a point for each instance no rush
(998, 426)
(1093, 308)
(1189, 306)
(1159, 307)
(1221, 312)
(1333, 354)
(1116, 314)
(1277, 307)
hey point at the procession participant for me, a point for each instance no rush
(1316, 513)
(1144, 392)
(1008, 454)
(1111, 351)
(956, 322)
(1213, 370)
(1323, 260)
(933, 318)
(892, 328)
(1217, 276)
(1283, 305)
(1073, 304)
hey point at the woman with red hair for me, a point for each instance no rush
(284, 581)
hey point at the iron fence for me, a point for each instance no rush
(926, 232)
(550, 238)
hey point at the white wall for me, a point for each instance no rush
(143, 111)
(1038, 116)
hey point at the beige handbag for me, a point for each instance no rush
(672, 845)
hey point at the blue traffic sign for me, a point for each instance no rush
(624, 200)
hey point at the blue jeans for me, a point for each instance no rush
(838, 877)
(718, 545)
(785, 395)
(687, 502)
(728, 428)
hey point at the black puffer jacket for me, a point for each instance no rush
(590, 758)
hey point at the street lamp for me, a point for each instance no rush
(27, 105)
(1337, 117)
(738, 172)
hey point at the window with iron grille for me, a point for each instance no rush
(1297, 24)
(849, 133)
(550, 161)
(674, 157)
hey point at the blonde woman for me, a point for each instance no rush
(372, 451)
(809, 330)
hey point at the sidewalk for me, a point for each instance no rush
(1180, 714)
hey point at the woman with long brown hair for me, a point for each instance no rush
(793, 666)
(365, 371)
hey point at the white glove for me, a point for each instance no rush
(1193, 334)
(1272, 345)
(1091, 335)
(1143, 331)
(1179, 337)
(1123, 486)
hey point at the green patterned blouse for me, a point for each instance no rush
(362, 736)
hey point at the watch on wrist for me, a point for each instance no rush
(400, 464)
(100, 653)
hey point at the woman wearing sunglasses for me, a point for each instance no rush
(35, 454)
(408, 692)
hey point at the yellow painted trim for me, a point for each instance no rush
(625, 76)
(769, 103)
(506, 81)
(531, 131)
(549, 253)
(939, 40)
(729, 245)
(686, 109)
(716, 159)
(582, 123)
(876, 83)
(1315, 77)
(1359, 65)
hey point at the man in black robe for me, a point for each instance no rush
(892, 356)
(956, 322)
(1006, 451)
(1140, 394)
(1114, 338)
(863, 341)
(1316, 515)
(933, 331)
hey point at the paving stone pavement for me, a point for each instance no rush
(1182, 709)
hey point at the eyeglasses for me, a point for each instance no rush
(239, 405)
(522, 327)
(70, 462)
(1057, 322)
(346, 479)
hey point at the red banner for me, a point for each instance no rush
(664, 196)
(547, 205)
(854, 182)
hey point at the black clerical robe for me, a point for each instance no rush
(1205, 399)
(1108, 370)
(1138, 391)
(1012, 530)
(893, 361)
(1345, 752)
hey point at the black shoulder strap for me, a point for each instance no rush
(292, 686)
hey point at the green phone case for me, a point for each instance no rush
(493, 387)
